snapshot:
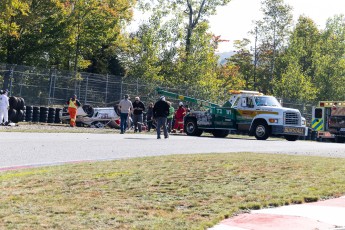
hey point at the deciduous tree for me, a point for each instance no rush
(329, 63)
(272, 32)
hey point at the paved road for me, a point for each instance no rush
(23, 149)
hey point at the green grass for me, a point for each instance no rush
(168, 192)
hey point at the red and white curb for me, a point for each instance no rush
(322, 215)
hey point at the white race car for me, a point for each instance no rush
(93, 117)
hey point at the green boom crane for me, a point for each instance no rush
(201, 103)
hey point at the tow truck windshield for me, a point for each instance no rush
(266, 101)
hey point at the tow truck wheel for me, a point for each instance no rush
(261, 131)
(191, 128)
(339, 139)
(291, 137)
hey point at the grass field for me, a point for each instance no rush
(168, 192)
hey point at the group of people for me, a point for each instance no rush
(162, 113)
(126, 107)
(4, 106)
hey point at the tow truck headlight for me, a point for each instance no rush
(303, 121)
(272, 120)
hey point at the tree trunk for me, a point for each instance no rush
(192, 24)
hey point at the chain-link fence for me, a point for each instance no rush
(52, 87)
(304, 108)
(49, 87)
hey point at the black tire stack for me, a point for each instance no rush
(28, 113)
(19, 112)
(36, 114)
(43, 114)
(16, 111)
(57, 115)
(51, 115)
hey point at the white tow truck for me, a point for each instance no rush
(249, 112)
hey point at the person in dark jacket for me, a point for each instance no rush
(149, 117)
(160, 113)
(138, 108)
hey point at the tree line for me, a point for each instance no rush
(174, 46)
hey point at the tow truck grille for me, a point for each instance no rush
(291, 118)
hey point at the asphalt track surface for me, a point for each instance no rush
(36, 149)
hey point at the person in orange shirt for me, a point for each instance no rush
(73, 104)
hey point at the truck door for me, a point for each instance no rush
(224, 117)
(245, 113)
(318, 121)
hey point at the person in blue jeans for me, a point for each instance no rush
(160, 114)
(125, 107)
(138, 109)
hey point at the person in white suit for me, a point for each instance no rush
(4, 104)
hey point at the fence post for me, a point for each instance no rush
(75, 82)
(121, 88)
(50, 86)
(106, 89)
(87, 85)
(21, 85)
(11, 79)
(54, 83)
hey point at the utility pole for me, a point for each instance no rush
(274, 49)
(255, 56)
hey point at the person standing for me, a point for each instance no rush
(73, 105)
(125, 107)
(149, 117)
(160, 113)
(170, 116)
(138, 108)
(180, 113)
(4, 104)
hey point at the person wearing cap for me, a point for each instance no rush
(4, 104)
(179, 115)
(125, 107)
(160, 114)
(138, 108)
(73, 104)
